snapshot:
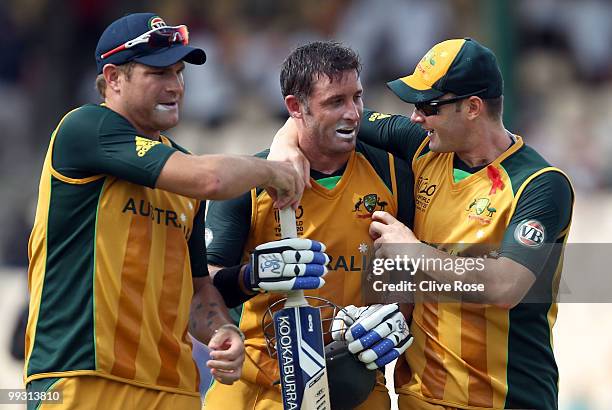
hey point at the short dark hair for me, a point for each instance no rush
(307, 63)
(494, 107)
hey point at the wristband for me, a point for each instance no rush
(246, 278)
(226, 281)
(234, 328)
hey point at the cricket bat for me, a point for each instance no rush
(299, 344)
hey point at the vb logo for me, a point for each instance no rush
(530, 233)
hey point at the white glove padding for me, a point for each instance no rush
(288, 264)
(379, 333)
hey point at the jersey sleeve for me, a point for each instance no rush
(95, 140)
(393, 133)
(197, 244)
(405, 189)
(229, 223)
(543, 212)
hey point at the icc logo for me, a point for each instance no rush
(424, 187)
(530, 233)
(424, 193)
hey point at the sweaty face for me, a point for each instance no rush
(152, 96)
(334, 111)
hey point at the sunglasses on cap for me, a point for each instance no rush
(433, 107)
(157, 38)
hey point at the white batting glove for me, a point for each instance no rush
(288, 264)
(377, 334)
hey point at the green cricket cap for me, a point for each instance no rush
(458, 66)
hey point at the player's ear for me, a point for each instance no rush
(294, 106)
(111, 76)
(475, 107)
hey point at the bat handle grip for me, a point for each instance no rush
(296, 298)
(287, 223)
(289, 230)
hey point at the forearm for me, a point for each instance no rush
(238, 174)
(285, 147)
(213, 176)
(500, 282)
(231, 284)
(208, 311)
(285, 139)
(393, 133)
(379, 130)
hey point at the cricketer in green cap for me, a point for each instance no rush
(463, 67)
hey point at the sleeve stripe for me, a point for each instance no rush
(253, 209)
(392, 175)
(416, 156)
(81, 181)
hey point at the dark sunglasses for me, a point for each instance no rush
(433, 107)
(158, 37)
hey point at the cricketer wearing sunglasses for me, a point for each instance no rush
(117, 253)
(479, 190)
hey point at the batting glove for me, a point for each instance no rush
(288, 264)
(377, 334)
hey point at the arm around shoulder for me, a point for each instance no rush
(227, 176)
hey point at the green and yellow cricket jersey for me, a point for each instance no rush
(471, 355)
(112, 259)
(336, 211)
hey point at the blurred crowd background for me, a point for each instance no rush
(556, 57)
